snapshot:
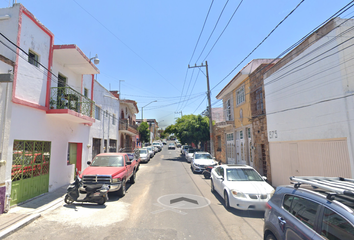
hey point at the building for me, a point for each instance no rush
(128, 129)
(309, 106)
(233, 138)
(48, 110)
(153, 127)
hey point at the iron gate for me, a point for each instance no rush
(30, 169)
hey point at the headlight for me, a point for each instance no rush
(271, 193)
(115, 180)
(238, 194)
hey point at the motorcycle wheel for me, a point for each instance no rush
(206, 174)
(101, 201)
(68, 199)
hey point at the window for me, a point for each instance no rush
(228, 110)
(304, 210)
(106, 113)
(334, 227)
(98, 113)
(33, 58)
(259, 100)
(219, 143)
(85, 92)
(240, 95)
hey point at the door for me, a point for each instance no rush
(240, 149)
(218, 181)
(249, 148)
(72, 156)
(230, 148)
(30, 169)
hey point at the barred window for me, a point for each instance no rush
(240, 95)
(33, 58)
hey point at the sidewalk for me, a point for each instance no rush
(24, 213)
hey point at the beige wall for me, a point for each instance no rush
(328, 158)
(246, 106)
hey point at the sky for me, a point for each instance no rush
(145, 47)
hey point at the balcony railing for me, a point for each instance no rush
(68, 98)
(124, 125)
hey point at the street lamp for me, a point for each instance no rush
(95, 59)
(142, 115)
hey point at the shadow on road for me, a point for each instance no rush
(85, 205)
(240, 213)
(176, 159)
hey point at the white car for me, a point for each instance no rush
(151, 151)
(201, 160)
(189, 154)
(144, 155)
(241, 187)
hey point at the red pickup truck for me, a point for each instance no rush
(114, 169)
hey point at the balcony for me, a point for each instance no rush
(126, 127)
(69, 104)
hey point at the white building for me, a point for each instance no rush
(309, 105)
(47, 118)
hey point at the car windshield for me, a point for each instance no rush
(107, 161)
(239, 174)
(203, 156)
(156, 144)
(149, 148)
(143, 151)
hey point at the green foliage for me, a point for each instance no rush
(190, 129)
(144, 132)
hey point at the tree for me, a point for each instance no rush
(144, 132)
(191, 129)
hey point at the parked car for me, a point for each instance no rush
(158, 145)
(171, 146)
(144, 155)
(133, 154)
(201, 160)
(189, 154)
(151, 151)
(184, 148)
(241, 187)
(113, 169)
(312, 208)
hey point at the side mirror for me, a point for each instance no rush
(88, 162)
(128, 162)
(264, 178)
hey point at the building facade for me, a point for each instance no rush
(309, 102)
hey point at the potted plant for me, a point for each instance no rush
(52, 103)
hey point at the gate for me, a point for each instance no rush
(30, 169)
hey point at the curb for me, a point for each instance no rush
(19, 225)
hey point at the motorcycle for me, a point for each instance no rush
(93, 193)
(207, 172)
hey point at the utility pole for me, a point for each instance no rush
(209, 103)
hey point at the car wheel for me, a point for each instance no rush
(212, 186)
(121, 191)
(132, 178)
(68, 199)
(226, 200)
(270, 236)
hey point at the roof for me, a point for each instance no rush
(241, 75)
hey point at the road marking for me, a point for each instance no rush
(172, 209)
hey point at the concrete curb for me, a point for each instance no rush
(19, 225)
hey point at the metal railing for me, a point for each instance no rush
(68, 98)
(124, 124)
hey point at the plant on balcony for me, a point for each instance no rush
(52, 103)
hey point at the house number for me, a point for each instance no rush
(273, 134)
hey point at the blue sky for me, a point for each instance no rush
(149, 44)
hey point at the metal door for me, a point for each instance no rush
(30, 170)
(230, 148)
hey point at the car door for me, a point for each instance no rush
(219, 179)
(298, 221)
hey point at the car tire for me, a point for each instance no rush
(132, 178)
(121, 191)
(270, 236)
(212, 186)
(226, 200)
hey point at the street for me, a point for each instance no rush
(143, 214)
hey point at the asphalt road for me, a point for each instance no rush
(167, 201)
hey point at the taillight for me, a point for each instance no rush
(268, 206)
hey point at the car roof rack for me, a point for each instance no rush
(332, 185)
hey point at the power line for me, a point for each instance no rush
(258, 45)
